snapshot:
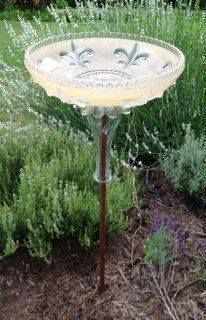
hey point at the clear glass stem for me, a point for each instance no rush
(103, 129)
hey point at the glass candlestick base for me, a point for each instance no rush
(103, 123)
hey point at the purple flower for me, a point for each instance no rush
(171, 225)
(155, 226)
(181, 239)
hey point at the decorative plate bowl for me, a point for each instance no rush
(104, 69)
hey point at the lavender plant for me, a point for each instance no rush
(47, 190)
(166, 236)
(159, 247)
(186, 168)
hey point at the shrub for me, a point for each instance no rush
(34, 4)
(47, 190)
(186, 166)
(30, 4)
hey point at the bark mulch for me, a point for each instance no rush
(67, 288)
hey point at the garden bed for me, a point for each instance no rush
(66, 288)
(36, 156)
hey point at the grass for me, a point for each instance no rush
(15, 60)
(5, 43)
(4, 39)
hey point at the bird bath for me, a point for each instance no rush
(105, 74)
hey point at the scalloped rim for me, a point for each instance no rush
(143, 82)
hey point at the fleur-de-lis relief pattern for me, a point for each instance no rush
(167, 66)
(78, 58)
(130, 58)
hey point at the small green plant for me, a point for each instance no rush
(186, 167)
(158, 248)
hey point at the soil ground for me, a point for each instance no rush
(67, 288)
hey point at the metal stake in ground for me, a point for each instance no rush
(102, 202)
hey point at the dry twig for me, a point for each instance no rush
(164, 297)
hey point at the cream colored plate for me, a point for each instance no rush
(104, 69)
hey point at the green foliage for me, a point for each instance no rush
(158, 248)
(47, 190)
(10, 12)
(8, 244)
(186, 166)
(28, 8)
(61, 4)
(30, 4)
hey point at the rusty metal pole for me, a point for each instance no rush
(102, 202)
